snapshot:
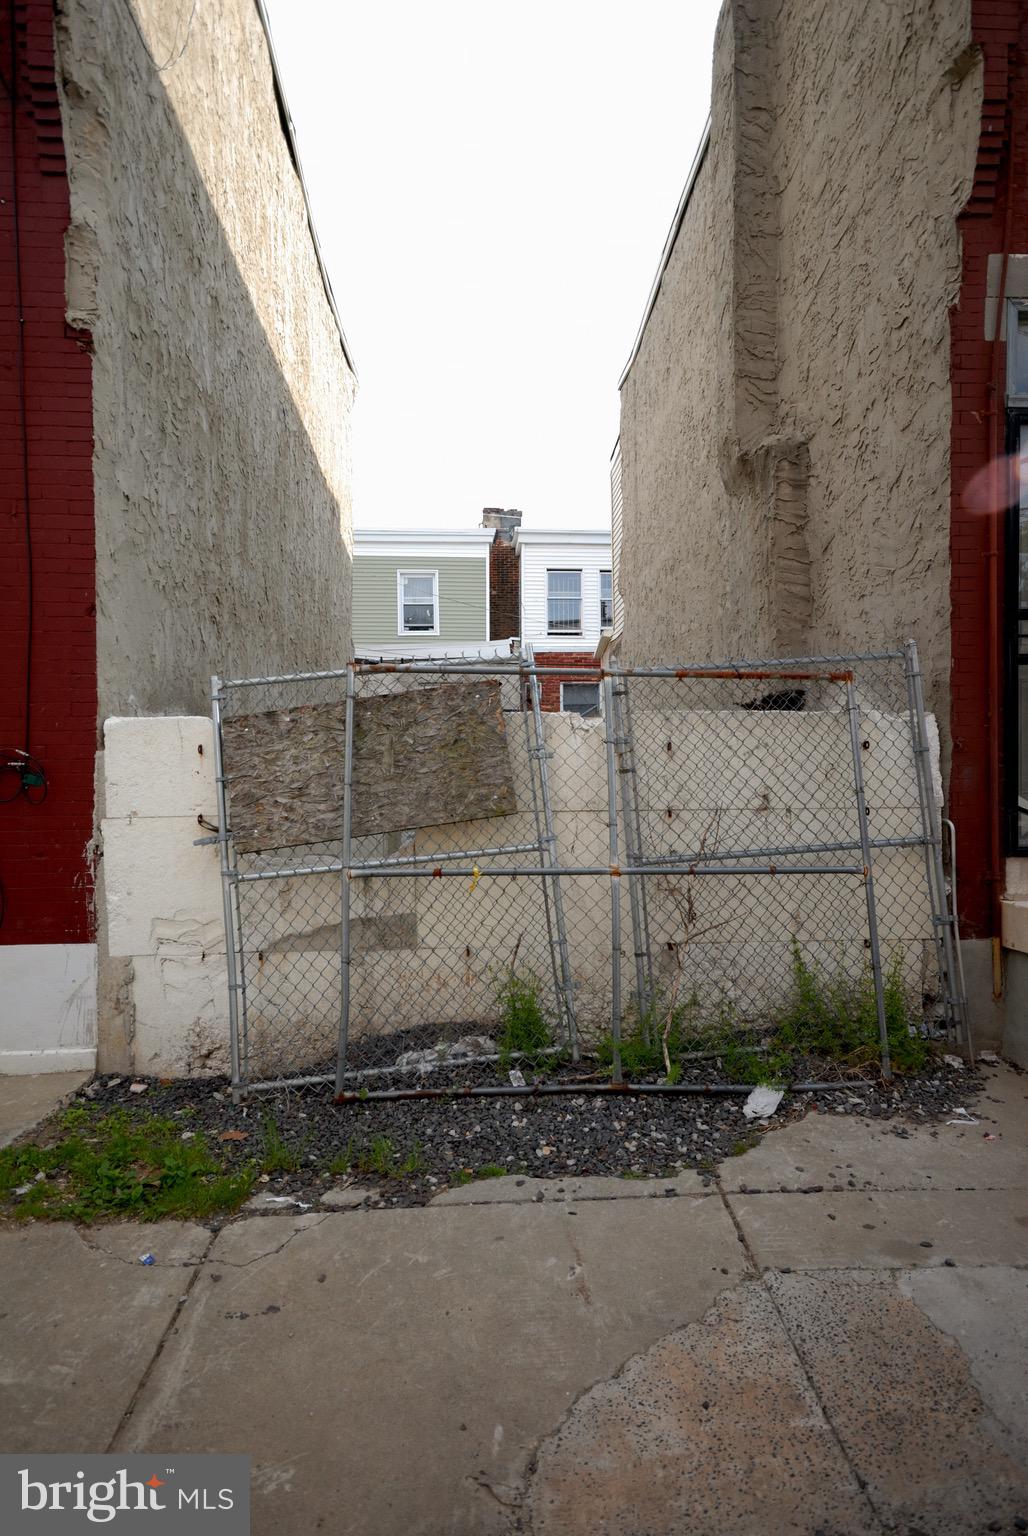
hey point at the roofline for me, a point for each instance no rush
(669, 245)
(423, 536)
(294, 155)
(561, 536)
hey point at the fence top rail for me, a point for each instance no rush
(827, 668)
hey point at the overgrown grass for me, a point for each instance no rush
(119, 1165)
(833, 1015)
(827, 1014)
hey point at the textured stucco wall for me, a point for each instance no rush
(785, 425)
(677, 516)
(221, 393)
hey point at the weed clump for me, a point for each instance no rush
(118, 1165)
(831, 1015)
(524, 1027)
(836, 1016)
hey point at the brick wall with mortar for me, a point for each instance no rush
(44, 867)
(549, 687)
(1000, 30)
(504, 589)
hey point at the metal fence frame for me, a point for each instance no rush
(623, 823)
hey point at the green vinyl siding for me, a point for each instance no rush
(462, 601)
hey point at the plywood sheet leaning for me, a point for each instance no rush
(421, 758)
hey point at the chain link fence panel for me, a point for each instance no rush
(720, 853)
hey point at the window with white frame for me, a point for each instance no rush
(564, 602)
(606, 599)
(580, 698)
(417, 602)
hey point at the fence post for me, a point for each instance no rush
(235, 1055)
(532, 749)
(625, 749)
(548, 849)
(943, 924)
(344, 881)
(615, 879)
(853, 710)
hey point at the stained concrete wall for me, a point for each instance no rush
(221, 391)
(431, 952)
(785, 424)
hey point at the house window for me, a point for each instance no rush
(606, 599)
(417, 602)
(580, 698)
(564, 602)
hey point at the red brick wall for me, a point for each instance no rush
(43, 865)
(1000, 28)
(549, 687)
(504, 590)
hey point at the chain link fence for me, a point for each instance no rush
(425, 873)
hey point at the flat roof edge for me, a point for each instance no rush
(294, 155)
(669, 245)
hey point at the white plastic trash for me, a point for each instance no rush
(762, 1102)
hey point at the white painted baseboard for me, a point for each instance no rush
(30, 1063)
(47, 1007)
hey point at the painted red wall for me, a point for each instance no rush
(1001, 30)
(43, 864)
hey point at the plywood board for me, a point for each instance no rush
(422, 758)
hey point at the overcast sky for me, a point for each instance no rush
(492, 187)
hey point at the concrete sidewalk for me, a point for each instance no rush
(832, 1337)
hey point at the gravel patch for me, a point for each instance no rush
(448, 1141)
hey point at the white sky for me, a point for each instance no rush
(492, 187)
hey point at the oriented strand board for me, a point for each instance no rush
(421, 758)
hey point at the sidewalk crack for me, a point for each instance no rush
(169, 1329)
(751, 1260)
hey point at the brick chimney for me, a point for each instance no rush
(504, 574)
(504, 522)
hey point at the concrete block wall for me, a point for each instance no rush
(162, 895)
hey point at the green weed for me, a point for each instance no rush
(836, 1016)
(343, 1161)
(278, 1156)
(382, 1158)
(524, 1027)
(116, 1165)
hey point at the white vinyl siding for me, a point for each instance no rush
(617, 513)
(590, 556)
